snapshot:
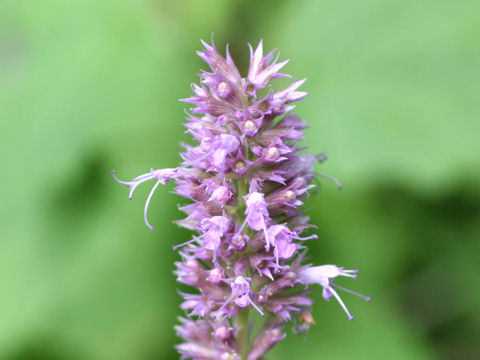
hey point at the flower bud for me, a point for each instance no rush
(222, 333)
(250, 128)
(223, 89)
(221, 195)
(239, 241)
(215, 275)
(272, 154)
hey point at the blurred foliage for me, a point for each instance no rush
(89, 86)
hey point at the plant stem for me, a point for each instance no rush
(241, 323)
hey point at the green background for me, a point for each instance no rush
(89, 86)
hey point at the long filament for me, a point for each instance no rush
(147, 203)
(334, 293)
(368, 298)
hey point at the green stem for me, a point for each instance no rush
(241, 319)
(242, 189)
(241, 323)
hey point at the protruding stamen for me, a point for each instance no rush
(277, 265)
(162, 175)
(332, 179)
(334, 293)
(175, 247)
(223, 305)
(242, 227)
(257, 308)
(147, 204)
(367, 298)
(267, 241)
(134, 182)
(314, 236)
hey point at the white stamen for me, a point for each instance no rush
(224, 304)
(187, 242)
(334, 293)
(267, 241)
(367, 298)
(277, 265)
(335, 181)
(257, 308)
(147, 203)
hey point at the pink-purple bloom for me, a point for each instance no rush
(325, 275)
(247, 182)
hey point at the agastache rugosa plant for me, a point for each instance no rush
(247, 181)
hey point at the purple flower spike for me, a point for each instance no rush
(247, 181)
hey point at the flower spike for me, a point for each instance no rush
(246, 179)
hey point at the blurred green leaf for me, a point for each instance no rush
(88, 86)
(393, 86)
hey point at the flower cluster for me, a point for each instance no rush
(247, 181)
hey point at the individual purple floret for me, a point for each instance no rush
(247, 181)
(325, 275)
